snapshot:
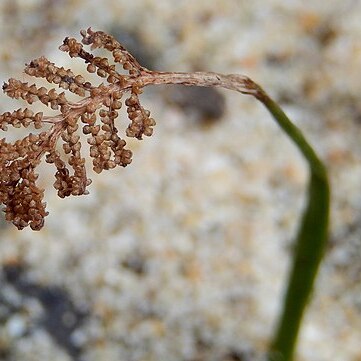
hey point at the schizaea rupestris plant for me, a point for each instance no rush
(95, 115)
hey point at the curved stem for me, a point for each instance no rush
(312, 233)
(310, 244)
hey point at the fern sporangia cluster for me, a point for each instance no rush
(95, 115)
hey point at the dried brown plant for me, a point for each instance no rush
(96, 113)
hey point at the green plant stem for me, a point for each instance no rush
(310, 242)
(312, 233)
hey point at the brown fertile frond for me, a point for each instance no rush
(94, 116)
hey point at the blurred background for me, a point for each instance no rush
(182, 256)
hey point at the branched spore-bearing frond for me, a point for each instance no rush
(94, 115)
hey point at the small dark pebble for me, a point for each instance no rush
(208, 104)
(61, 315)
(132, 41)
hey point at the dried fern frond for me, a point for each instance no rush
(95, 116)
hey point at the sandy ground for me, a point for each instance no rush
(183, 254)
